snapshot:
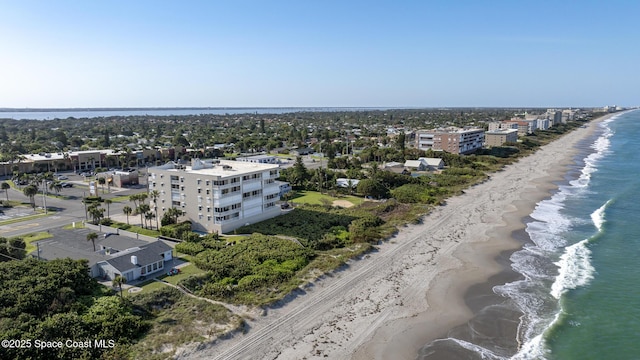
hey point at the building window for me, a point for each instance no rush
(160, 264)
(155, 266)
(199, 191)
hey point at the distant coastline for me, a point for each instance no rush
(64, 113)
(312, 108)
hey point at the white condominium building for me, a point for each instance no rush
(218, 195)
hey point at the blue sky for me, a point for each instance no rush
(319, 53)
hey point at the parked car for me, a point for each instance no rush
(62, 177)
(66, 185)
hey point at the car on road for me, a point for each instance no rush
(66, 185)
(62, 177)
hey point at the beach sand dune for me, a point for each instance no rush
(418, 285)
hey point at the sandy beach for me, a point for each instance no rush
(427, 280)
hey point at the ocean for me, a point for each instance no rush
(577, 293)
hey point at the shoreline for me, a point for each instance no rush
(416, 287)
(484, 264)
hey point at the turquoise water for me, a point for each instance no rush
(586, 256)
(579, 295)
(602, 318)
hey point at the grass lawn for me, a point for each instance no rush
(78, 225)
(29, 238)
(120, 198)
(314, 197)
(147, 287)
(185, 272)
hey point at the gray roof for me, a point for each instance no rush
(50, 250)
(146, 255)
(118, 242)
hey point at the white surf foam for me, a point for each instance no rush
(575, 269)
(574, 266)
(598, 216)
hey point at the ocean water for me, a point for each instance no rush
(579, 293)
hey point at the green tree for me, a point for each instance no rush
(148, 216)
(127, 211)
(372, 188)
(55, 186)
(92, 236)
(31, 191)
(96, 212)
(108, 202)
(154, 195)
(118, 281)
(5, 186)
(102, 181)
(141, 210)
(298, 174)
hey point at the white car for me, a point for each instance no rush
(62, 177)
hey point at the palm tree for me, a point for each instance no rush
(55, 186)
(102, 181)
(149, 216)
(127, 211)
(118, 280)
(5, 186)
(142, 209)
(154, 195)
(31, 191)
(96, 213)
(134, 198)
(108, 202)
(92, 236)
(175, 213)
(142, 197)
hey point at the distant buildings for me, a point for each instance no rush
(452, 140)
(500, 137)
(218, 195)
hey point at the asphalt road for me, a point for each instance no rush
(66, 210)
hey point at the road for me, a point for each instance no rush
(66, 210)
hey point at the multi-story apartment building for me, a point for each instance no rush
(218, 195)
(453, 140)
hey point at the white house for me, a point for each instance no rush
(345, 183)
(135, 262)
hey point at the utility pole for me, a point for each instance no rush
(44, 195)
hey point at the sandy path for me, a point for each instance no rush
(411, 290)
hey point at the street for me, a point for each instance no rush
(63, 211)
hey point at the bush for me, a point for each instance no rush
(189, 248)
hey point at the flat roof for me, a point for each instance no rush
(232, 168)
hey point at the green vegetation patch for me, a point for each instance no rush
(57, 300)
(309, 223)
(30, 238)
(318, 198)
(256, 270)
(176, 320)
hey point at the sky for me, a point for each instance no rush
(306, 53)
